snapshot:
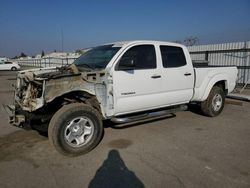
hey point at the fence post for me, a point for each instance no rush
(245, 62)
(206, 55)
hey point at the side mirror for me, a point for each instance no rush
(126, 64)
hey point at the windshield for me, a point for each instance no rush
(97, 58)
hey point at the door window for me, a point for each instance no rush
(142, 57)
(172, 56)
(8, 62)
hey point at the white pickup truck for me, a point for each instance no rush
(123, 82)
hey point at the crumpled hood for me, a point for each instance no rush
(48, 73)
(36, 87)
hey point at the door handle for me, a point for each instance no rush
(156, 76)
(188, 74)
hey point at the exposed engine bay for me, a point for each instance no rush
(37, 88)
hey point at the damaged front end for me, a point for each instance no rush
(29, 91)
(28, 96)
(37, 89)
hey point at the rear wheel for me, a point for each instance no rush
(214, 104)
(13, 68)
(75, 129)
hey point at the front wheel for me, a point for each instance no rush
(75, 129)
(214, 104)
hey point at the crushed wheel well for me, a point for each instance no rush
(50, 108)
(77, 96)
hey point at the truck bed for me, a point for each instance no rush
(204, 64)
(204, 76)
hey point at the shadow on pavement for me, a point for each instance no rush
(196, 109)
(113, 174)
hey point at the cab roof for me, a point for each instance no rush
(126, 43)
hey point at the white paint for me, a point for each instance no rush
(7, 65)
(171, 89)
(123, 92)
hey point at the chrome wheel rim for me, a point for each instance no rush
(217, 102)
(79, 131)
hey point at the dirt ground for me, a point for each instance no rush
(186, 150)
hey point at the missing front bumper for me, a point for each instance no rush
(14, 118)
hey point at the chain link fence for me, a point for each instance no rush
(45, 62)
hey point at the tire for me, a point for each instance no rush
(75, 129)
(214, 103)
(13, 68)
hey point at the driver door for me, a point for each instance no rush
(136, 88)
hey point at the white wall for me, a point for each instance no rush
(226, 54)
(3, 59)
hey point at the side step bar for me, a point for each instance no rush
(147, 115)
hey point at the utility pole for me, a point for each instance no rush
(62, 38)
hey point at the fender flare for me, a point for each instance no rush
(217, 78)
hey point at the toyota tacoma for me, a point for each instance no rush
(123, 82)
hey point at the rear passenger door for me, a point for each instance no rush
(137, 89)
(177, 75)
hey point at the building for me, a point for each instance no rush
(3, 59)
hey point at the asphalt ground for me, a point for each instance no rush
(186, 150)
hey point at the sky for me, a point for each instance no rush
(32, 26)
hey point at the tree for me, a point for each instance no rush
(177, 41)
(191, 41)
(78, 51)
(23, 55)
(43, 54)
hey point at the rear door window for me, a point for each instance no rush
(172, 56)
